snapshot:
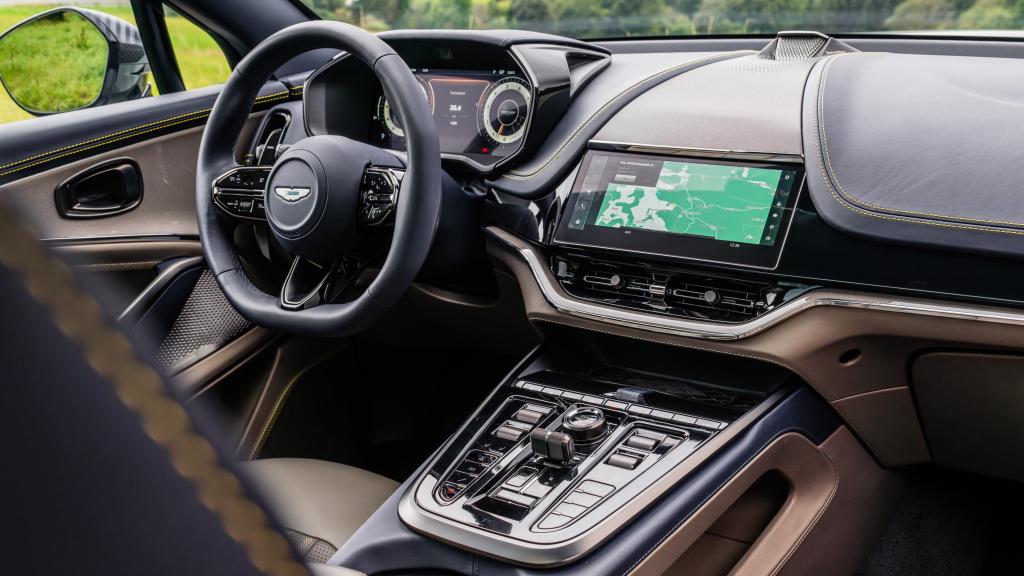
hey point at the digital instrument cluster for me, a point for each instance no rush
(482, 115)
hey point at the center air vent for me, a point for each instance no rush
(674, 292)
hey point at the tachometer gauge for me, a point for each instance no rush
(506, 106)
(390, 122)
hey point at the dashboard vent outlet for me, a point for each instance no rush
(683, 293)
(801, 45)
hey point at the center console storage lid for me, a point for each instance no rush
(918, 149)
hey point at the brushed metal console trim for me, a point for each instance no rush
(549, 555)
(568, 304)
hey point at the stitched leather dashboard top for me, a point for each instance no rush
(918, 149)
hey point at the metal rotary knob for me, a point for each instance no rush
(584, 423)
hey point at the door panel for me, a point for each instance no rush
(168, 166)
(147, 260)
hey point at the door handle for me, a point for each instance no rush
(106, 189)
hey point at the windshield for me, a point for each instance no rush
(625, 18)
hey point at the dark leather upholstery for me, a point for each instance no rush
(918, 149)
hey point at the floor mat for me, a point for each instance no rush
(951, 524)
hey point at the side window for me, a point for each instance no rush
(200, 58)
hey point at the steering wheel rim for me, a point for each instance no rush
(419, 199)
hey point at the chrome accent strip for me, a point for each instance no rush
(548, 555)
(720, 154)
(568, 304)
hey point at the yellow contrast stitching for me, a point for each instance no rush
(134, 131)
(854, 200)
(516, 175)
(143, 392)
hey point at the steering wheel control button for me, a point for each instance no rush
(625, 461)
(584, 423)
(240, 192)
(378, 194)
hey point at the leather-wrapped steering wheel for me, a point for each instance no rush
(315, 194)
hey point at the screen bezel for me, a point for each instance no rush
(678, 246)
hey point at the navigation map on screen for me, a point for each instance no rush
(728, 203)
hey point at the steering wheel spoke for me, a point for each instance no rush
(241, 192)
(309, 284)
(378, 195)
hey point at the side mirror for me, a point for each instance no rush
(71, 58)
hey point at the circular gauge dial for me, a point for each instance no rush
(505, 110)
(391, 123)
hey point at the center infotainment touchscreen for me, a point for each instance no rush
(728, 212)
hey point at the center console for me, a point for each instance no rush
(560, 458)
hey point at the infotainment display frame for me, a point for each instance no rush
(577, 228)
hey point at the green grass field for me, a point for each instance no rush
(201, 60)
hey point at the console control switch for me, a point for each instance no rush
(554, 447)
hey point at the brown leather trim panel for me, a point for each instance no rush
(970, 406)
(168, 165)
(825, 525)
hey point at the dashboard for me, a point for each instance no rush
(709, 195)
(480, 114)
(583, 150)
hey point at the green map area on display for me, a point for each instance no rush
(729, 203)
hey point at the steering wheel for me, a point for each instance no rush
(323, 194)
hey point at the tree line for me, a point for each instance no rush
(614, 18)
